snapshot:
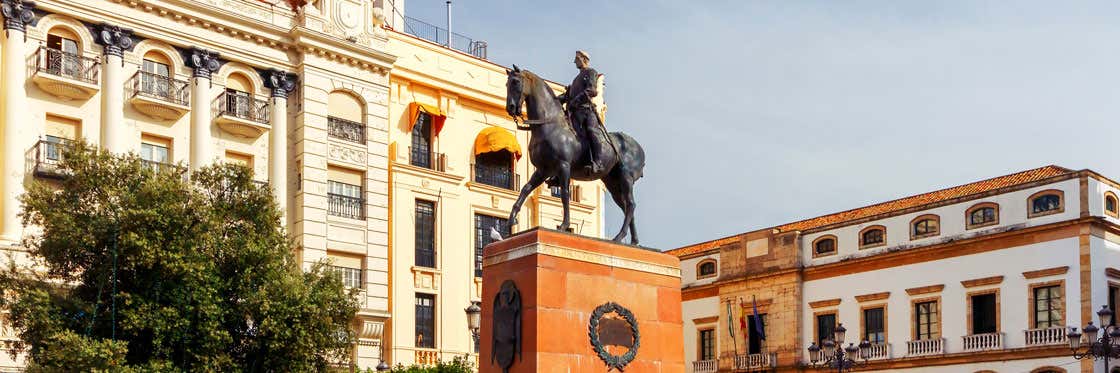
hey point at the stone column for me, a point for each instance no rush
(17, 14)
(204, 63)
(114, 40)
(282, 84)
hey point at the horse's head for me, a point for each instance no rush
(515, 91)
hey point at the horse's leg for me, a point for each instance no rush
(564, 175)
(630, 207)
(614, 187)
(534, 181)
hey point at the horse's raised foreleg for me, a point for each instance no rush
(534, 181)
(564, 176)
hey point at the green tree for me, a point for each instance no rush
(138, 269)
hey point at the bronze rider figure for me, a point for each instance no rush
(582, 113)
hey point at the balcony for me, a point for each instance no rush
(983, 342)
(755, 361)
(427, 357)
(345, 206)
(242, 115)
(577, 192)
(429, 160)
(347, 130)
(159, 96)
(1045, 336)
(877, 351)
(48, 155)
(435, 34)
(705, 366)
(496, 176)
(64, 74)
(925, 347)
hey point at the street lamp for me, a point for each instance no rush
(832, 354)
(474, 321)
(1105, 348)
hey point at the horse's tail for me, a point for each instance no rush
(631, 156)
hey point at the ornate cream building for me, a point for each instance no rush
(305, 100)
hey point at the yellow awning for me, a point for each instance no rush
(493, 139)
(438, 116)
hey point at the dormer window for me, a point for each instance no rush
(824, 246)
(925, 226)
(982, 215)
(872, 237)
(706, 268)
(1045, 203)
(1110, 207)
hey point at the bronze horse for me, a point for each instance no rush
(559, 154)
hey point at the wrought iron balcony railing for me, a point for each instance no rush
(440, 36)
(345, 206)
(430, 160)
(161, 88)
(346, 130)
(158, 166)
(244, 106)
(48, 155)
(68, 65)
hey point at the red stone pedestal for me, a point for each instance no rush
(562, 278)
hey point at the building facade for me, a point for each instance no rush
(982, 277)
(390, 169)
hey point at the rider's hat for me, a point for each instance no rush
(582, 54)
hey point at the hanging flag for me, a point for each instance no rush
(757, 321)
(730, 326)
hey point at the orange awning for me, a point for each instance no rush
(438, 116)
(493, 139)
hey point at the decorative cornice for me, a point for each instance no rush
(925, 289)
(17, 14)
(281, 83)
(873, 297)
(203, 62)
(1112, 272)
(824, 303)
(1046, 272)
(982, 281)
(582, 256)
(114, 39)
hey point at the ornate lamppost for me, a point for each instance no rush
(474, 320)
(832, 355)
(1105, 348)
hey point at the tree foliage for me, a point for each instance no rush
(460, 364)
(138, 269)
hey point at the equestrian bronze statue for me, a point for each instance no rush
(561, 152)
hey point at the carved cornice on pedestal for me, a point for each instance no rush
(203, 62)
(17, 14)
(281, 83)
(114, 39)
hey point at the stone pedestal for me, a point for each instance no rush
(562, 279)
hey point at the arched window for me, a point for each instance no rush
(982, 215)
(824, 246)
(345, 115)
(155, 75)
(1048, 370)
(239, 95)
(872, 236)
(1045, 203)
(64, 53)
(1110, 207)
(706, 268)
(925, 226)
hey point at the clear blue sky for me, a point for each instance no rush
(757, 113)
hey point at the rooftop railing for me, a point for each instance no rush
(435, 34)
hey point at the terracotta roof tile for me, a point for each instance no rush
(896, 205)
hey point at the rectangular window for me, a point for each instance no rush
(874, 327)
(708, 344)
(984, 313)
(347, 267)
(1048, 306)
(826, 324)
(1113, 296)
(420, 154)
(155, 152)
(482, 225)
(344, 193)
(755, 337)
(926, 321)
(425, 321)
(425, 234)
